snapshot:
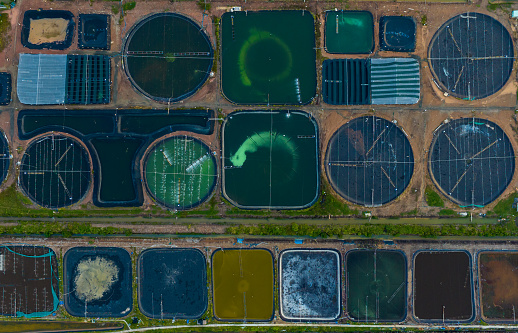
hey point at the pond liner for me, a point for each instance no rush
(244, 286)
(268, 57)
(397, 33)
(5, 88)
(359, 32)
(172, 283)
(55, 171)
(369, 161)
(287, 133)
(310, 284)
(180, 155)
(455, 288)
(471, 56)
(498, 285)
(108, 125)
(382, 276)
(116, 300)
(47, 14)
(197, 57)
(471, 161)
(93, 31)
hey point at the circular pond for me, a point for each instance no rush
(369, 161)
(471, 56)
(167, 57)
(471, 161)
(180, 172)
(55, 171)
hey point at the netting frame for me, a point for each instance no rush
(76, 141)
(153, 145)
(127, 40)
(347, 197)
(435, 76)
(429, 161)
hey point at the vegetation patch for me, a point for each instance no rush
(369, 230)
(5, 27)
(433, 199)
(447, 212)
(505, 206)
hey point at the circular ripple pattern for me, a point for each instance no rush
(55, 171)
(369, 161)
(471, 56)
(167, 57)
(471, 161)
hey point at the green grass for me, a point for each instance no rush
(204, 5)
(412, 212)
(432, 198)
(129, 6)
(5, 27)
(115, 9)
(216, 21)
(326, 205)
(447, 212)
(504, 207)
(370, 230)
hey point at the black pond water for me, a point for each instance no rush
(167, 57)
(397, 33)
(471, 56)
(94, 31)
(97, 282)
(55, 171)
(172, 283)
(116, 140)
(471, 161)
(443, 288)
(369, 161)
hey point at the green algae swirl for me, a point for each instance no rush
(256, 37)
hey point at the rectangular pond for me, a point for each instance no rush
(172, 283)
(349, 32)
(275, 153)
(376, 286)
(28, 281)
(242, 282)
(443, 287)
(498, 285)
(268, 57)
(309, 284)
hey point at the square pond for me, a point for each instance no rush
(268, 57)
(310, 285)
(98, 282)
(243, 284)
(172, 283)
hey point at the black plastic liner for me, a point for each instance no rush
(83, 285)
(93, 32)
(471, 56)
(5, 88)
(47, 14)
(116, 141)
(397, 33)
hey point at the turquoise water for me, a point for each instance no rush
(355, 33)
